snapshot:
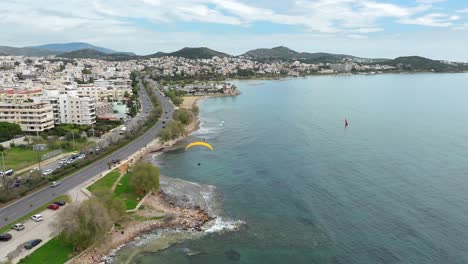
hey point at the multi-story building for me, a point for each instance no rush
(31, 116)
(106, 90)
(76, 110)
(18, 96)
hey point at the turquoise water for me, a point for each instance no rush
(390, 188)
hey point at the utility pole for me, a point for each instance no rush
(73, 137)
(3, 161)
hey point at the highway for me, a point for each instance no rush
(29, 203)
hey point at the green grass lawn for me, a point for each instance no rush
(105, 183)
(125, 192)
(7, 228)
(17, 158)
(53, 252)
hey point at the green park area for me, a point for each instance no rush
(123, 190)
(105, 183)
(55, 251)
(17, 158)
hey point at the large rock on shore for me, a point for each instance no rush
(192, 195)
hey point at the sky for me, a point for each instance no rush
(367, 28)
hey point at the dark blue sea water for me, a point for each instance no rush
(390, 188)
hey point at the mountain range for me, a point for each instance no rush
(84, 50)
(54, 49)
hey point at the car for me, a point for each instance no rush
(81, 156)
(34, 169)
(164, 122)
(53, 207)
(115, 161)
(5, 237)
(62, 161)
(32, 243)
(47, 172)
(97, 149)
(37, 218)
(60, 203)
(18, 227)
(55, 183)
(164, 127)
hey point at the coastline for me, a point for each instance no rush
(180, 206)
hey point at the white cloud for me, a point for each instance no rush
(138, 25)
(432, 20)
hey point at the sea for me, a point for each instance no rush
(392, 187)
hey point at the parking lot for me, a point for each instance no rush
(33, 230)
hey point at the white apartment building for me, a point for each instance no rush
(32, 117)
(76, 110)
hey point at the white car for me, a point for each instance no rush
(18, 227)
(37, 218)
(55, 184)
(62, 161)
(47, 172)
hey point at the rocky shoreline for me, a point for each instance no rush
(157, 213)
(179, 206)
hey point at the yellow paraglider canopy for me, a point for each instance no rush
(199, 143)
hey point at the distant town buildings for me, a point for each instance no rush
(40, 92)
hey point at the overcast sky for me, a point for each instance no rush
(366, 28)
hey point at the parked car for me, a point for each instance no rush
(32, 243)
(34, 169)
(18, 227)
(82, 156)
(60, 203)
(55, 183)
(47, 172)
(97, 149)
(115, 161)
(37, 218)
(53, 207)
(5, 237)
(164, 122)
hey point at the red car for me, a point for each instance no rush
(53, 206)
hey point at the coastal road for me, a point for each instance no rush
(29, 203)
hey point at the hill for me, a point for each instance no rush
(276, 53)
(417, 63)
(73, 46)
(94, 54)
(31, 52)
(284, 53)
(192, 53)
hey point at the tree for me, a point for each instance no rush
(9, 131)
(182, 115)
(115, 206)
(84, 224)
(145, 177)
(195, 109)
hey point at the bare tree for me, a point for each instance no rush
(85, 223)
